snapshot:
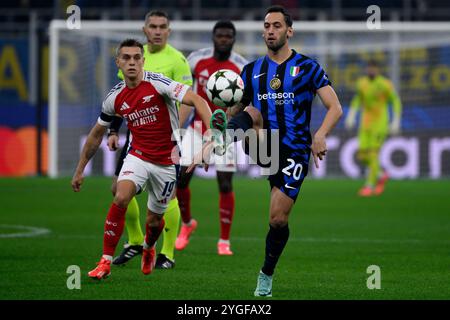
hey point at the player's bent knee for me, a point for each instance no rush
(279, 217)
(278, 221)
(114, 186)
(121, 200)
(126, 190)
(153, 219)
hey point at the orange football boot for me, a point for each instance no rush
(185, 233)
(102, 271)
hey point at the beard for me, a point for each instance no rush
(275, 46)
(223, 51)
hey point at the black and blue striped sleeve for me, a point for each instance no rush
(319, 77)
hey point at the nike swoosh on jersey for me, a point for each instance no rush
(258, 75)
(288, 186)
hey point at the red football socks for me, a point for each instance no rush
(115, 221)
(184, 201)
(152, 233)
(226, 209)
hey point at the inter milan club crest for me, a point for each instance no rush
(275, 83)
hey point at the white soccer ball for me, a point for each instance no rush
(225, 88)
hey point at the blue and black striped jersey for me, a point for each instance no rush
(283, 93)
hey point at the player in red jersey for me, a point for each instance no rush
(204, 63)
(147, 101)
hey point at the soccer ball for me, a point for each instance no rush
(225, 88)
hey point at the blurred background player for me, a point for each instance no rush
(294, 75)
(149, 163)
(374, 93)
(204, 63)
(160, 57)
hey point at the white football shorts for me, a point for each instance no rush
(159, 180)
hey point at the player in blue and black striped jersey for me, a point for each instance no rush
(279, 90)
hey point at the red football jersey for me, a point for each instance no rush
(151, 114)
(203, 65)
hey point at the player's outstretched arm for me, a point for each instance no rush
(331, 102)
(90, 147)
(184, 112)
(200, 105)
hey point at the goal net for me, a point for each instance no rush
(415, 56)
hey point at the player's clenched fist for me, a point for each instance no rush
(113, 142)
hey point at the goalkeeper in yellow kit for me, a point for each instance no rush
(374, 94)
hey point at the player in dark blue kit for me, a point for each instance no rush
(281, 87)
(279, 90)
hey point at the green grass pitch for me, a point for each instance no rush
(334, 237)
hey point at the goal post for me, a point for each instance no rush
(414, 55)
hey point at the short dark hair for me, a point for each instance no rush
(129, 43)
(225, 24)
(157, 13)
(281, 9)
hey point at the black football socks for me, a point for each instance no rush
(275, 242)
